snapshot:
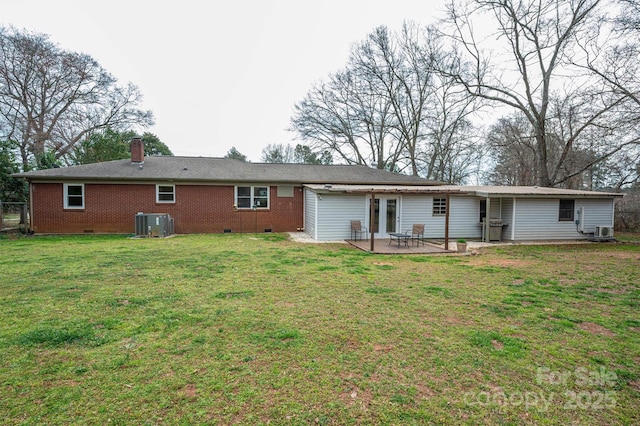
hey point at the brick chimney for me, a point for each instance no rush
(137, 150)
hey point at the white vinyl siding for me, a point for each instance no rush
(507, 218)
(310, 212)
(495, 210)
(463, 216)
(335, 211)
(327, 219)
(416, 209)
(537, 219)
(596, 213)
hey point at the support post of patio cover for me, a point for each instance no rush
(446, 222)
(372, 217)
(485, 231)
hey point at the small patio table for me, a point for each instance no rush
(400, 238)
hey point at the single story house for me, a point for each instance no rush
(211, 195)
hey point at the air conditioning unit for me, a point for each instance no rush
(154, 225)
(604, 232)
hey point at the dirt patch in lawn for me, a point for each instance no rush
(451, 320)
(383, 263)
(502, 263)
(424, 392)
(352, 344)
(355, 395)
(621, 290)
(189, 391)
(497, 345)
(430, 322)
(596, 329)
(619, 255)
(382, 348)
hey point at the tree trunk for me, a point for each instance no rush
(541, 154)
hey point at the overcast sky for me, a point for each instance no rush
(216, 74)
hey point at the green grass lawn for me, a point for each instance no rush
(252, 329)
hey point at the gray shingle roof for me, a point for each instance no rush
(220, 170)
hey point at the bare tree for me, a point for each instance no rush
(594, 160)
(629, 19)
(612, 53)
(452, 147)
(397, 70)
(390, 109)
(50, 98)
(327, 120)
(537, 64)
(512, 146)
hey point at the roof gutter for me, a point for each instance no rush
(545, 195)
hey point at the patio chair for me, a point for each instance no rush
(417, 233)
(357, 230)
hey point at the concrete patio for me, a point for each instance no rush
(383, 246)
(432, 246)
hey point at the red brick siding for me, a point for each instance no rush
(111, 208)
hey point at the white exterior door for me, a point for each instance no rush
(386, 217)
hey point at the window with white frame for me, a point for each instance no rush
(439, 206)
(74, 196)
(165, 193)
(248, 197)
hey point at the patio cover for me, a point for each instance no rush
(447, 190)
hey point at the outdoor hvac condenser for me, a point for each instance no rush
(154, 225)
